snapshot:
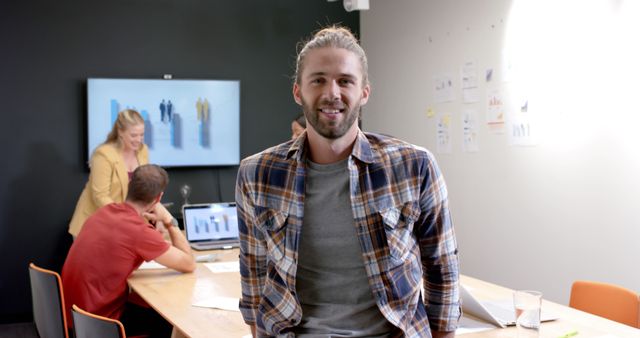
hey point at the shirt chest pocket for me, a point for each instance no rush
(273, 225)
(398, 227)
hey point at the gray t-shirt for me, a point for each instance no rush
(331, 281)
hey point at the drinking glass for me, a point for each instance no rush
(527, 304)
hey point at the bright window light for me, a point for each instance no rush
(578, 63)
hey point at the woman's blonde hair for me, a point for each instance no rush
(126, 119)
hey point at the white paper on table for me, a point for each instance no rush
(217, 302)
(220, 267)
(205, 294)
(151, 265)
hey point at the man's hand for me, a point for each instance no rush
(159, 214)
(179, 256)
(442, 334)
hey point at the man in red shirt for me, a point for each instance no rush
(114, 242)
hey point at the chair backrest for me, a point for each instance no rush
(606, 300)
(89, 325)
(48, 303)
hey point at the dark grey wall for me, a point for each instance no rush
(49, 48)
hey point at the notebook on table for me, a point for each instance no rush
(211, 226)
(499, 313)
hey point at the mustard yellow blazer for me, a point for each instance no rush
(108, 183)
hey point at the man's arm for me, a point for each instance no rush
(100, 178)
(179, 256)
(439, 252)
(253, 252)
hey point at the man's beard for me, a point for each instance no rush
(330, 129)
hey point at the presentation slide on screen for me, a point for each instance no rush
(187, 122)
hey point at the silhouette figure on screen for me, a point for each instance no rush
(202, 110)
(205, 110)
(202, 107)
(163, 108)
(199, 109)
(169, 108)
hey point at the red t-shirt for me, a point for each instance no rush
(113, 242)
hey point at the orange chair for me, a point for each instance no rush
(89, 325)
(606, 300)
(48, 302)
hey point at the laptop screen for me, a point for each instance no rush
(210, 222)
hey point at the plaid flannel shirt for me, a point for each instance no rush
(399, 203)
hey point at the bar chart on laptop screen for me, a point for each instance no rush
(213, 223)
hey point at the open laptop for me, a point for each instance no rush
(499, 313)
(211, 226)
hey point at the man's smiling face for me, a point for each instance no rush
(331, 90)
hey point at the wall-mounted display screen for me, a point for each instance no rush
(187, 122)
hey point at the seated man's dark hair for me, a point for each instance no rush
(147, 182)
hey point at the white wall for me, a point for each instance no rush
(533, 217)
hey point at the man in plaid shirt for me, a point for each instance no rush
(344, 233)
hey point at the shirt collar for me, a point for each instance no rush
(361, 148)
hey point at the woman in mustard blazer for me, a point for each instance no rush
(111, 165)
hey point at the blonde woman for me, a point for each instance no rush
(111, 165)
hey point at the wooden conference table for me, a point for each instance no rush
(171, 294)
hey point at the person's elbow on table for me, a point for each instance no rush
(190, 265)
(178, 260)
